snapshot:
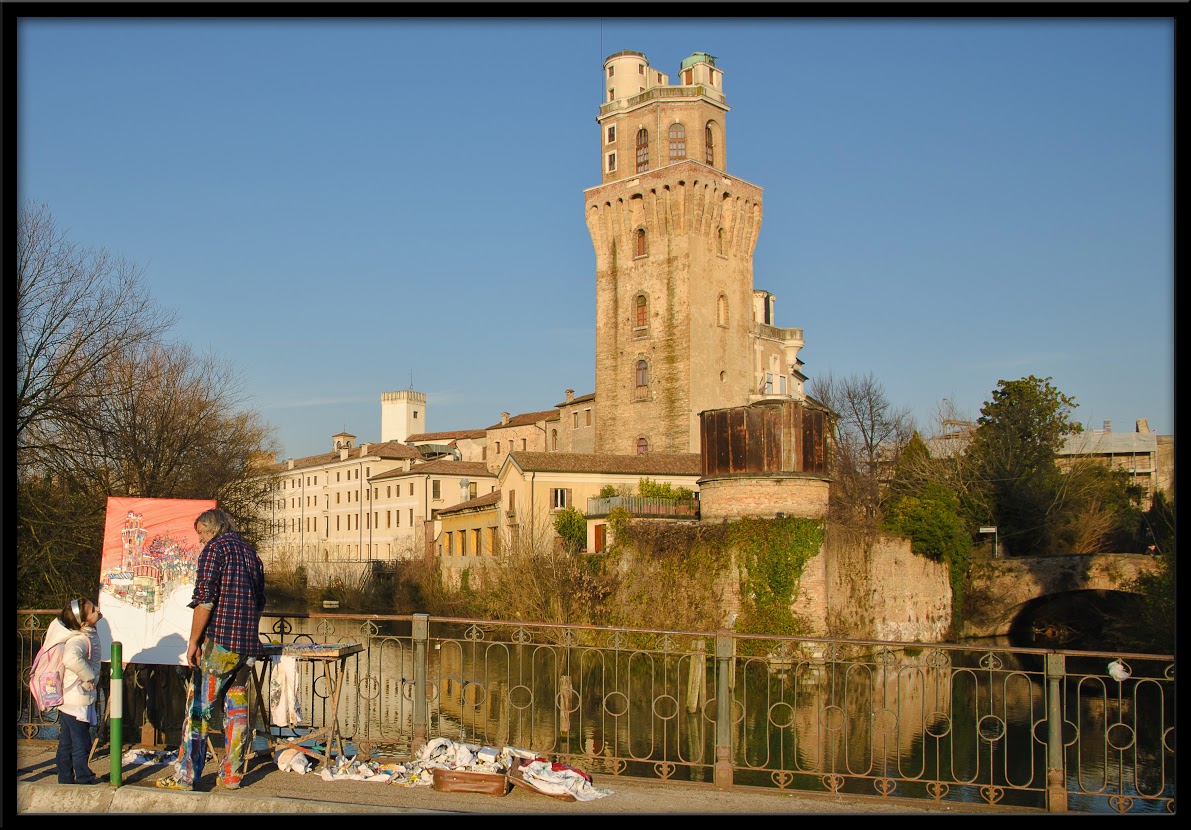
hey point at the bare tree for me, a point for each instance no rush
(77, 308)
(869, 435)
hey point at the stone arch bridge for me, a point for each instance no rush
(999, 590)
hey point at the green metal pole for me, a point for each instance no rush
(116, 707)
(1056, 777)
(725, 650)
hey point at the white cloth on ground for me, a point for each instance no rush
(541, 775)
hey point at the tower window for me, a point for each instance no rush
(721, 311)
(640, 69)
(642, 311)
(641, 246)
(611, 71)
(677, 142)
(642, 446)
(719, 241)
(612, 134)
(554, 439)
(642, 151)
(612, 95)
(642, 380)
(709, 141)
(611, 162)
(688, 76)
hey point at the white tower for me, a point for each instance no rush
(402, 414)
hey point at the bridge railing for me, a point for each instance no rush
(944, 723)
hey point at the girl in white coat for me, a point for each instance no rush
(81, 663)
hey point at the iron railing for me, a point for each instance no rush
(644, 506)
(948, 723)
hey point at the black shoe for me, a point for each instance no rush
(94, 779)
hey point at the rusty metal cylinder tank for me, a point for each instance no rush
(766, 459)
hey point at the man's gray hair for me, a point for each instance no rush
(215, 520)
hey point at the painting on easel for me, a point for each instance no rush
(146, 577)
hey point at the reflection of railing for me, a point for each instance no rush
(645, 507)
(944, 723)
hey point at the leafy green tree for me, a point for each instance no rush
(1014, 446)
(571, 526)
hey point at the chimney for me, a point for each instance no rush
(504, 418)
(1143, 425)
(1108, 426)
(364, 449)
(570, 395)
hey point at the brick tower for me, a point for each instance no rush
(674, 237)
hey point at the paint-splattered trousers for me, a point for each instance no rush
(221, 675)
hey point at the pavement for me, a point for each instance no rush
(268, 789)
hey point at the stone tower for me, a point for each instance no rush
(402, 414)
(674, 237)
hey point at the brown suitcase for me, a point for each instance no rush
(457, 781)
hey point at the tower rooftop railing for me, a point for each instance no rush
(658, 92)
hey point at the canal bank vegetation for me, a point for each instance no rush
(1000, 471)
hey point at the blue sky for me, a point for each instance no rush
(343, 207)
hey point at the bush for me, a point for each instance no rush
(571, 526)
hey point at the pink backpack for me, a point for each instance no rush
(47, 681)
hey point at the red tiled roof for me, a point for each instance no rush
(388, 450)
(454, 433)
(646, 464)
(590, 396)
(527, 418)
(442, 467)
(479, 501)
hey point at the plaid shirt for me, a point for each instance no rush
(231, 575)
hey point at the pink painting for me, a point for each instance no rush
(146, 577)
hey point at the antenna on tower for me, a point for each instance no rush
(411, 378)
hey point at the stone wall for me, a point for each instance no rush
(880, 590)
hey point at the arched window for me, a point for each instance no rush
(709, 142)
(642, 311)
(641, 248)
(554, 440)
(642, 151)
(642, 379)
(719, 241)
(642, 446)
(721, 310)
(677, 142)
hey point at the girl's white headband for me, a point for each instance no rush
(78, 612)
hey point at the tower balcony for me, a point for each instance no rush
(778, 333)
(660, 92)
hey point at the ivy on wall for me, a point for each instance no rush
(772, 554)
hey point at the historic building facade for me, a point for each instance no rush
(679, 327)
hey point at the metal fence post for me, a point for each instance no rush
(724, 655)
(421, 635)
(1056, 777)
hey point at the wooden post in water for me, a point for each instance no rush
(565, 691)
(697, 678)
